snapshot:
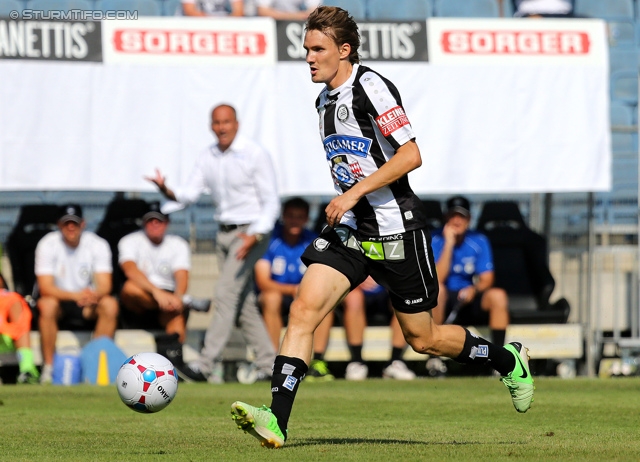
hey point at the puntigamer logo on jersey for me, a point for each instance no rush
(344, 144)
(392, 120)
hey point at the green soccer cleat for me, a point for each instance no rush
(520, 381)
(318, 372)
(259, 422)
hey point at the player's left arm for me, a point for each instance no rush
(406, 159)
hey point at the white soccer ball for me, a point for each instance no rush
(147, 382)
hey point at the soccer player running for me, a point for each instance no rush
(377, 227)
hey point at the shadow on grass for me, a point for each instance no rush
(322, 441)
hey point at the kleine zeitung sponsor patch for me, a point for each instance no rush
(392, 120)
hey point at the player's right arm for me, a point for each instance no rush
(265, 283)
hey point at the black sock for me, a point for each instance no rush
(356, 353)
(497, 337)
(477, 350)
(287, 374)
(318, 356)
(396, 354)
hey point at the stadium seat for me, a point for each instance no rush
(507, 8)
(7, 6)
(143, 7)
(400, 10)
(621, 114)
(34, 221)
(521, 268)
(467, 8)
(122, 216)
(357, 8)
(64, 5)
(435, 218)
(623, 59)
(624, 86)
(171, 8)
(604, 9)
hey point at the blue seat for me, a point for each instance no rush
(624, 86)
(400, 10)
(172, 8)
(605, 9)
(623, 59)
(57, 5)
(143, 7)
(507, 8)
(467, 8)
(7, 6)
(621, 115)
(357, 8)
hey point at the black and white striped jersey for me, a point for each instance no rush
(362, 124)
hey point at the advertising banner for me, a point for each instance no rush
(50, 40)
(381, 41)
(557, 42)
(196, 41)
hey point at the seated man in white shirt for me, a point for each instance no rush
(213, 7)
(73, 270)
(156, 266)
(290, 10)
(543, 8)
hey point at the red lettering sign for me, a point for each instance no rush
(516, 42)
(392, 120)
(187, 42)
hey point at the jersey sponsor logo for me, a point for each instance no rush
(290, 382)
(393, 250)
(392, 120)
(190, 42)
(516, 42)
(356, 170)
(335, 145)
(341, 172)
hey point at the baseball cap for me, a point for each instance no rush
(70, 212)
(459, 204)
(154, 212)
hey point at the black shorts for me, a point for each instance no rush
(470, 314)
(72, 318)
(402, 263)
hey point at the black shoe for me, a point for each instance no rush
(170, 347)
(196, 304)
(189, 374)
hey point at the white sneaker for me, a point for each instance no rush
(217, 374)
(436, 367)
(356, 371)
(46, 375)
(398, 370)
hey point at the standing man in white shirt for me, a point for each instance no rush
(73, 270)
(241, 178)
(156, 266)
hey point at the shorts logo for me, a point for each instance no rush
(392, 120)
(290, 382)
(483, 351)
(343, 112)
(320, 244)
(414, 301)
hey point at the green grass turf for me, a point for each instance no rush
(455, 419)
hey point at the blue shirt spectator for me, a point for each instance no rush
(470, 258)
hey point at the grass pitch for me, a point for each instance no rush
(455, 419)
